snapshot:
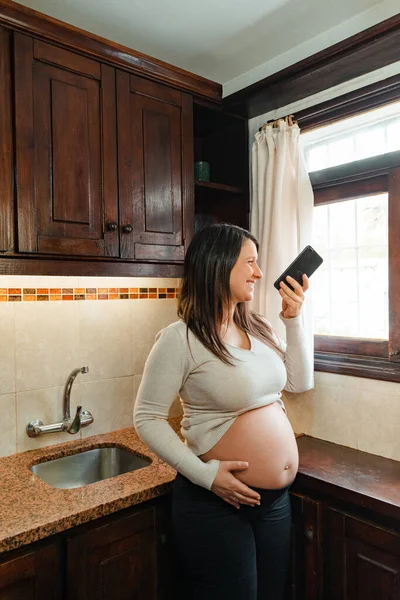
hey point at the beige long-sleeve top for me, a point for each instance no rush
(213, 394)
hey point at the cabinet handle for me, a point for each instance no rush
(112, 226)
(127, 228)
(309, 533)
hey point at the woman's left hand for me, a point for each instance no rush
(292, 301)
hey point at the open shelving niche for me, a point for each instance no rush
(221, 139)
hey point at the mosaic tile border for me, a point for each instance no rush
(54, 294)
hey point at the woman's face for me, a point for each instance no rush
(245, 273)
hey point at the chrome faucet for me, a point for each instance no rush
(67, 391)
(81, 419)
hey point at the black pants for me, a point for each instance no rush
(231, 554)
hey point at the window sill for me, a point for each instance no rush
(357, 366)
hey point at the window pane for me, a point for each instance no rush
(369, 134)
(350, 290)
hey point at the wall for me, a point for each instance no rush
(43, 339)
(352, 411)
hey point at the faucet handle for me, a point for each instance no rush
(75, 426)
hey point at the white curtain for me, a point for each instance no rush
(281, 215)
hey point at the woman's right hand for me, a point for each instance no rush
(230, 489)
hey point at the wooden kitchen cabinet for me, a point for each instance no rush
(115, 560)
(155, 168)
(31, 574)
(363, 559)
(97, 152)
(65, 131)
(346, 524)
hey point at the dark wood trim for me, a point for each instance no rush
(351, 190)
(86, 268)
(358, 346)
(43, 27)
(109, 165)
(357, 366)
(359, 54)
(351, 104)
(394, 265)
(187, 170)
(6, 145)
(355, 171)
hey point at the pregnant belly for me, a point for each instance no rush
(264, 438)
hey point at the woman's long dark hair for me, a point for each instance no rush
(205, 291)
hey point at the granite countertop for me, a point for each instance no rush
(31, 510)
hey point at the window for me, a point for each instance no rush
(354, 167)
(370, 134)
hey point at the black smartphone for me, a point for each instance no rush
(307, 262)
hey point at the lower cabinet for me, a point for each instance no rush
(31, 574)
(114, 561)
(339, 555)
(363, 561)
(124, 556)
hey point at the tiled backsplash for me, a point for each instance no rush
(53, 294)
(352, 411)
(42, 341)
(44, 337)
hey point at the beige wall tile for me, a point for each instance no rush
(36, 281)
(111, 403)
(328, 413)
(7, 348)
(106, 338)
(321, 378)
(149, 316)
(46, 344)
(375, 386)
(378, 424)
(8, 440)
(47, 406)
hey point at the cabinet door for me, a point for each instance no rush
(115, 561)
(65, 151)
(155, 165)
(6, 148)
(31, 575)
(306, 582)
(363, 559)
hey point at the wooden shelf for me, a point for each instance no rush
(220, 187)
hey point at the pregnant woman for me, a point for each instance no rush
(231, 506)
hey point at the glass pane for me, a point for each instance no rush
(370, 134)
(373, 290)
(342, 226)
(372, 220)
(350, 290)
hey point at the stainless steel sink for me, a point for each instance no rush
(88, 467)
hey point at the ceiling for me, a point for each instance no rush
(233, 42)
